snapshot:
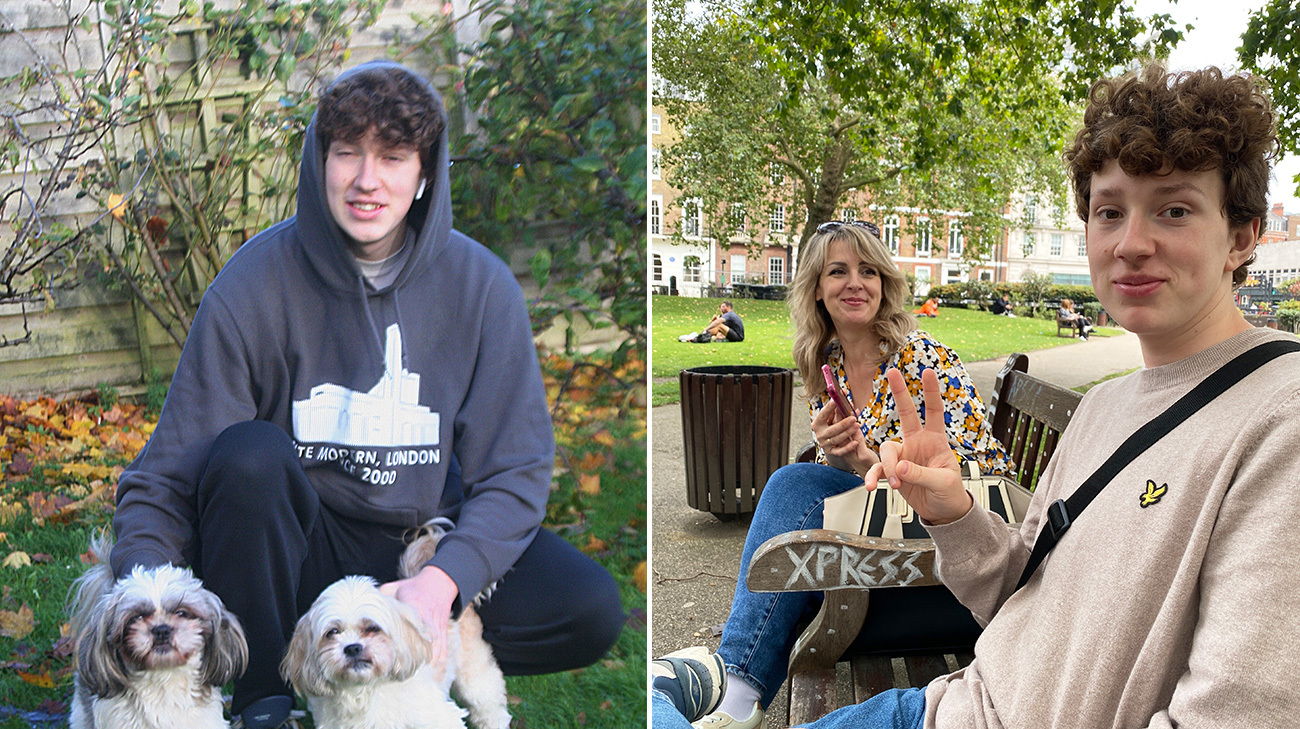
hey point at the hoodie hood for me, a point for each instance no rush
(321, 237)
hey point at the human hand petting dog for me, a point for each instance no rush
(923, 468)
(431, 592)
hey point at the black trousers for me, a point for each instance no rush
(268, 546)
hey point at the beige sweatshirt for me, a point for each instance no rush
(1182, 613)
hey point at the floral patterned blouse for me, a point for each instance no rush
(964, 417)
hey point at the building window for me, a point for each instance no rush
(1058, 242)
(776, 222)
(924, 237)
(776, 174)
(1031, 209)
(922, 274)
(654, 123)
(776, 271)
(848, 215)
(692, 218)
(736, 211)
(691, 270)
(658, 268)
(656, 214)
(1082, 242)
(891, 233)
(1028, 250)
(986, 275)
(956, 241)
(738, 268)
(952, 274)
(654, 163)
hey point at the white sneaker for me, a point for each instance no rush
(688, 337)
(723, 720)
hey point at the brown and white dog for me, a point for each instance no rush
(153, 649)
(364, 661)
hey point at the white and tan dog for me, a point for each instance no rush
(364, 661)
(153, 649)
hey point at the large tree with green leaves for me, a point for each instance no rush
(1271, 47)
(929, 105)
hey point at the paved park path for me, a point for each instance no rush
(695, 557)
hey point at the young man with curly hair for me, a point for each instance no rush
(353, 372)
(1169, 600)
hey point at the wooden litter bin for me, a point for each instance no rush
(736, 426)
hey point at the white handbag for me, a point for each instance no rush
(885, 513)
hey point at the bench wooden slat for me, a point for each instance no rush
(812, 695)
(871, 675)
(923, 669)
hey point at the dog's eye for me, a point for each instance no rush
(372, 629)
(182, 613)
(332, 632)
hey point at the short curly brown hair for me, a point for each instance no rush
(397, 105)
(1154, 121)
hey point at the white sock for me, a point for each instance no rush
(738, 700)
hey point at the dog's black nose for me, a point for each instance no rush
(352, 650)
(162, 632)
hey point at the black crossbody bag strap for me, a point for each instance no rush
(1063, 512)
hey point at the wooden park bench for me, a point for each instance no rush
(1027, 415)
(1063, 325)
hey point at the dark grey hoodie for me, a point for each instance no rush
(377, 388)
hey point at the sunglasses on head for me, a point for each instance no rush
(830, 225)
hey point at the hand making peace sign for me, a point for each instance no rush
(923, 467)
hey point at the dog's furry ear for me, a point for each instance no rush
(225, 655)
(99, 652)
(411, 649)
(300, 666)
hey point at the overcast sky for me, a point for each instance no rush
(1219, 25)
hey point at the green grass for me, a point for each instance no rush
(610, 693)
(974, 335)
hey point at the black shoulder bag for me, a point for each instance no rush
(1063, 512)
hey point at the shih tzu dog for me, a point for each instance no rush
(153, 649)
(364, 660)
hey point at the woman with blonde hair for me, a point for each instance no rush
(848, 304)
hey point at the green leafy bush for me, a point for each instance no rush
(558, 159)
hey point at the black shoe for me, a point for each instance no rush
(266, 713)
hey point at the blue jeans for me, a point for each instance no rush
(893, 709)
(760, 630)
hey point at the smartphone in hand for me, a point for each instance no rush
(841, 402)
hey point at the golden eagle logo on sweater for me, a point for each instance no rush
(1152, 494)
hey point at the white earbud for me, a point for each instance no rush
(420, 192)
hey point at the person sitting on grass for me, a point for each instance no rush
(725, 326)
(1002, 306)
(929, 309)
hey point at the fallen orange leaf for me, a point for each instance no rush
(17, 624)
(590, 462)
(639, 576)
(589, 483)
(42, 680)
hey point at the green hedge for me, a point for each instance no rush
(981, 292)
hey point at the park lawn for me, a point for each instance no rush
(974, 335)
(49, 510)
